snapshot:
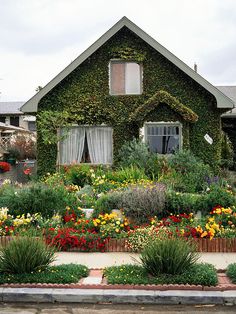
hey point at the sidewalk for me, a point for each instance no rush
(101, 260)
(94, 288)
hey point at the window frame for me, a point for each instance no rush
(162, 123)
(118, 61)
(84, 163)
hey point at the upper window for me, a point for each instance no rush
(125, 78)
(86, 144)
(163, 138)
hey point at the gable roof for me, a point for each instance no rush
(222, 100)
(11, 107)
(153, 102)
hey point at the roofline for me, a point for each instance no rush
(222, 100)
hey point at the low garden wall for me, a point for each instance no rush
(217, 245)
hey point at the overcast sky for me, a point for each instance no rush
(39, 38)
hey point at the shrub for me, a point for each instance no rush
(140, 203)
(217, 195)
(37, 198)
(25, 255)
(133, 153)
(231, 272)
(188, 173)
(107, 202)
(63, 274)
(127, 174)
(168, 255)
(177, 203)
(24, 146)
(79, 174)
(199, 274)
(140, 237)
(156, 166)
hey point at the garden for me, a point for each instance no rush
(148, 203)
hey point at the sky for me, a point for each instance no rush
(39, 38)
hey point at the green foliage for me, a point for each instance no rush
(49, 122)
(133, 153)
(188, 173)
(126, 174)
(217, 195)
(177, 203)
(84, 94)
(79, 175)
(140, 203)
(26, 255)
(168, 256)
(231, 272)
(61, 274)
(107, 202)
(199, 274)
(156, 100)
(37, 198)
(227, 152)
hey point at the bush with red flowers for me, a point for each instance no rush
(4, 166)
(66, 239)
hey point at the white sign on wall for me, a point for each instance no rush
(208, 139)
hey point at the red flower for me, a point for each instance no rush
(5, 166)
(27, 171)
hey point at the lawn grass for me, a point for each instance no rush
(231, 272)
(199, 274)
(62, 274)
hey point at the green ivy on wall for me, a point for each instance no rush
(84, 94)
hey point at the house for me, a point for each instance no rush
(125, 84)
(13, 121)
(10, 114)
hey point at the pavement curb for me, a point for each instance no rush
(48, 295)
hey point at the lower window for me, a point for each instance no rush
(86, 144)
(163, 138)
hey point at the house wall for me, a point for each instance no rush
(85, 95)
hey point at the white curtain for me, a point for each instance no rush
(72, 146)
(99, 144)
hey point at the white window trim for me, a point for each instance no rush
(88, 126)
(125, 61)
(162, 123)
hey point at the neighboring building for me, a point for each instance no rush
(13, 121)
(125, 84)
(10, 114)
(229, 118)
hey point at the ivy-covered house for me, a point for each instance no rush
(126, 85)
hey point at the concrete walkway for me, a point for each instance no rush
(101, 260)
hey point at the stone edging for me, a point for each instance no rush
(224, 285)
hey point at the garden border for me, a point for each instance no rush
(216, 245)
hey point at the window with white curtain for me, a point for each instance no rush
(163, 138)
(86, 144)
(125, 78)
